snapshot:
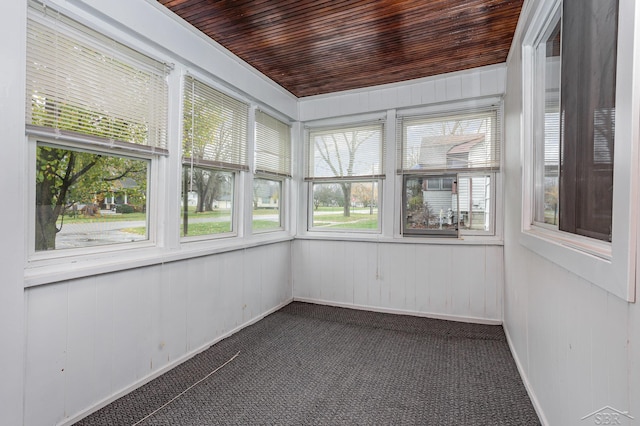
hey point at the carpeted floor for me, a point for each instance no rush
(317, 365)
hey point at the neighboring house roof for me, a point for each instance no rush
(465, 147)
(435, 149)
(124, 183)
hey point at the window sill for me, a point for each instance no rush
(465, 240)
(592, 262)
(40, 273)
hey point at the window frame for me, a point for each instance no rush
(195, 85)
(610, 266)
(489, 105)
(344, 123)
(45, 257)
(310, 207)
(441, 176)
(234, 206)
(264, 119)
(49, 22)
(282, 202)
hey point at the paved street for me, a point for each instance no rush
(74, 235)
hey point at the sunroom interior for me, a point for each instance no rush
(170, 178)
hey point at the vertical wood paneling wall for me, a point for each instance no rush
(90, 339)
(455, 281)
(576, 344)
(12, 187)
(446, 281)
(458, 86)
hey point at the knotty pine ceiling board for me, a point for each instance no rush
(313, 47)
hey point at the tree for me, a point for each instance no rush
(365, 193)
(551, 202)
(327, 194)
(338, 151)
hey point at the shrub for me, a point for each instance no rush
(124, 208)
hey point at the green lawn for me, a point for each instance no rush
(206, 228)
(81, 218)
(333, 217)
(324, 217)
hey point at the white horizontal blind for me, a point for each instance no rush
(215, 127)
(273, 145)
(346, 152)
(83, 82)
(454, 142)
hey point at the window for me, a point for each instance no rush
(96, 115)
(449, 164)
(575, 119)
(267, 195)
(214, 152)
(273, 167)
(345, 171)
(580, 97)
(88, 199)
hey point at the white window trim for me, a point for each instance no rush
(49, 257)
(494, 235)
(305, 216)
(283, 201)
(344, 231)
(235, 203)
(609, 266)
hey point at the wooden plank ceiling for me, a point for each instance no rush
(312, 47)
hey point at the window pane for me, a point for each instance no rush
(427, 211)
(474, 197)
(266, 205)
(214, 127)
(346, 152)
(86, 199)
(447, 183)
(273, 145)
(207, 202)
(547, 155)
(345, 205)
(457, 141)
(587, 115)
(72, 72)
(433, 184)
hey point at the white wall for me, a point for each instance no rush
(88, 339)
(72, 344)
(457, 86)
(12, 188)
(421, 276)
(443, 281)
(91, 339)
(576, 344)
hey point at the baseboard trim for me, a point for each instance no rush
(525, 380)
(106, 401)
(458, 318)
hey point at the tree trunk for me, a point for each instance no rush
(185, 205)
(346, 192)
(45, 228)
(46, 216)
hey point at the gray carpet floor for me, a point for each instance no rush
(316, 365)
